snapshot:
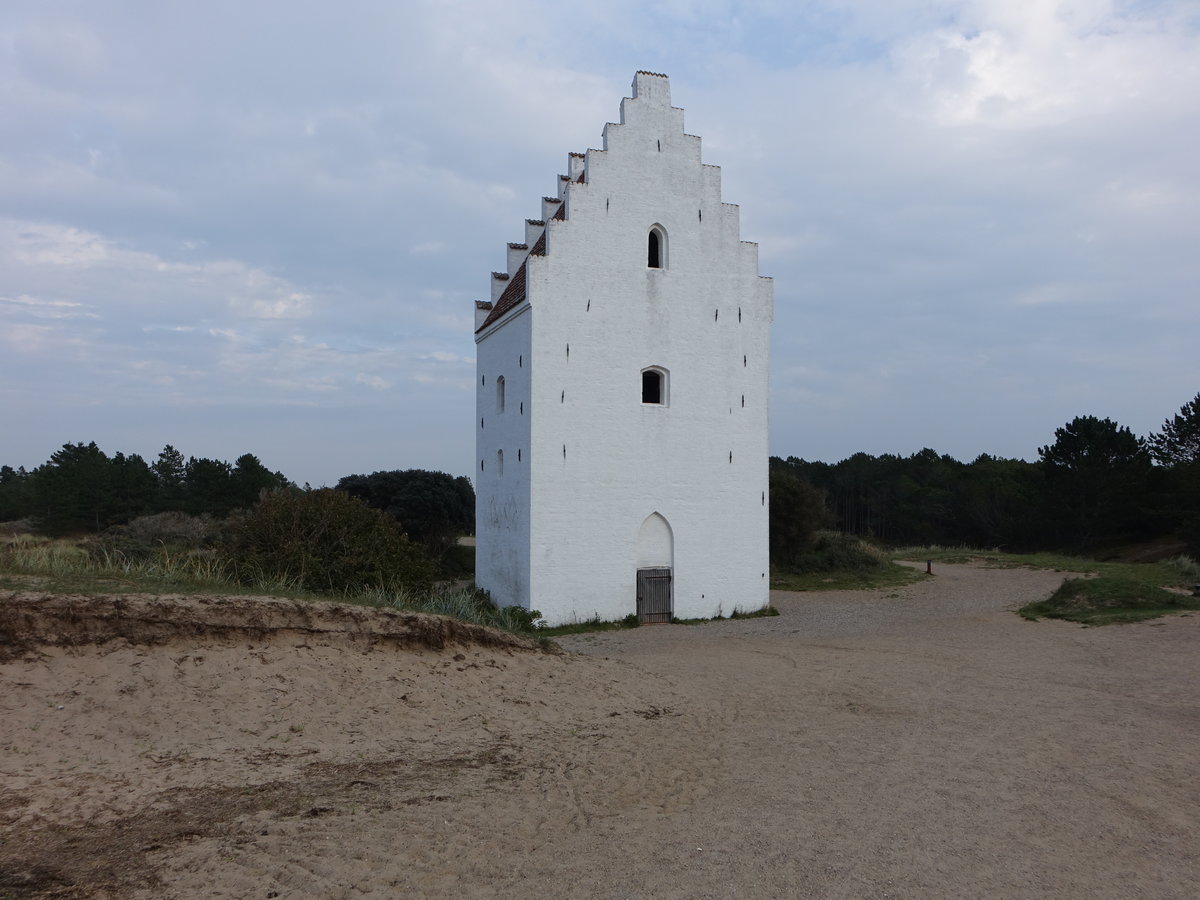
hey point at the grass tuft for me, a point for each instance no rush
(62, 566)
(1108, 599)
(837, 562)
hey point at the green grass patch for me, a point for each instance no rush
(1182, 571)
(1109, 599)
(888, 575)
(1116, 592)
(835, 561)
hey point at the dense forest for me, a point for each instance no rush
(1094, 487)
(81, 489)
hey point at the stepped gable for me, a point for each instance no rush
(515, 291)
(513, 294)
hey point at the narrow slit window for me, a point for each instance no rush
(656, 248)
(500, 394)
(499, 462)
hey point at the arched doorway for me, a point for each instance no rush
(655, 559)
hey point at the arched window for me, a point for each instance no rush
(500, 394)
(654, 386)
(499, 462)
(656, 248)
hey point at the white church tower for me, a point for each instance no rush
(622, 389)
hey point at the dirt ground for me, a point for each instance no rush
(914, 742)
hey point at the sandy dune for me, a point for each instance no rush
(915, 742)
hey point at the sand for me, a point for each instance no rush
(913, 742)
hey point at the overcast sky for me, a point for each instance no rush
(261, 226)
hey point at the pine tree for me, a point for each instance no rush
(1178, 443)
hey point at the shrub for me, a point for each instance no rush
(322, 540)
(835, 551)
(1185, 566)
(148, 536)
(458, 561)
(797, 512)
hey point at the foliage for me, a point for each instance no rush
(458, 561)
(67, 566)
(1179, 572)
(927, 498)
(1093, 487)
(1178, 443)
(1108, 599)
(322, 540)
(16, 495)
(64, 566)
(1186, 566)
(81, 489)
(587, 626)
(1176, 448)
(1096, 471)
(797, 512)
(846, 579)
(833, 550)
(170, 476)
(147, 536)
(433, 508)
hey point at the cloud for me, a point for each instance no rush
(240, 214)
(45, 309)
(372, 381)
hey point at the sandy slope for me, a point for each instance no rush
(910, 743)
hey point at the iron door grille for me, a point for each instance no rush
(653, 596)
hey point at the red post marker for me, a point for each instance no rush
(929, 567)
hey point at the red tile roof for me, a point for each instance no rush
(513, 294)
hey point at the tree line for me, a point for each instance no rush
(81, 489)
(1095, 486)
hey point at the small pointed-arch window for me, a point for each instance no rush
(500, 394)
(654, 386)
(656, 248)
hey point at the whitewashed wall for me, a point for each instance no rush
(502, 507)
(599, 461)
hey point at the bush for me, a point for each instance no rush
(458, 561)
(322, 540)
(834, 551)
(148, 536)
(797, 512)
